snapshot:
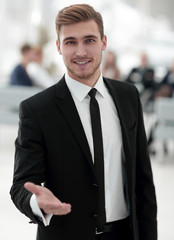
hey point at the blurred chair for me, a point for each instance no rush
(164, 130)
(10, 98)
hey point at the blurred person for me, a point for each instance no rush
(82, 169)
(169, 77)
(39, 75)
(164, 89)
(19, 75)
(143, 77)
(166, 86)
(143, 73)
(110, 69)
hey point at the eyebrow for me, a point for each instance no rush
(91, 36)
(68, 38)
(85, 37)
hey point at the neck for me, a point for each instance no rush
(89, 81)
(24, 62)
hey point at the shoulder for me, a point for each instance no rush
(39, 104)
(32, 66)
(43, 96)
(124, 92)
(120, 85)
(18, 68)
(46, 99)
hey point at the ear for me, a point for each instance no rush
(58, 47)
(104, 41)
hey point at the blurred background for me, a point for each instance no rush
(140, 51)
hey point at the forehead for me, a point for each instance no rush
(79, 30)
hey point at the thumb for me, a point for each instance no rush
(35, 189)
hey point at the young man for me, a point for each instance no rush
(62, 179)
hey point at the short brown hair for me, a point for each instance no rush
(25, 48)
(78, 13)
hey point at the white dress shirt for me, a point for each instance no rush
(112, 143)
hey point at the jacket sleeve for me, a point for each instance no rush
(146, 204)
(29, 162)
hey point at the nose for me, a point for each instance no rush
(81, 50)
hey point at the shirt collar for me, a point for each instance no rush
(80, 90)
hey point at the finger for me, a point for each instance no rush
(64, 208)
(35, 189)
(59, 205)
(59, 209)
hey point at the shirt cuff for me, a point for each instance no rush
(46, 218)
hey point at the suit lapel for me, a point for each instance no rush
(69, 111)
(119, 100)
(120, 104)
(66, 105)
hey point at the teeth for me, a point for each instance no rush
(81, 62)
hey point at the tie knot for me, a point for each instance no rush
(92, 92)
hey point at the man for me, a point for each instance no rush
(57, 147)
(19, 75)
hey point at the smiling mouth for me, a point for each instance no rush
(81, 62)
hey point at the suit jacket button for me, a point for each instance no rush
(95, 185)
(95, 215)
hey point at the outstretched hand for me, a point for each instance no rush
(47, 201)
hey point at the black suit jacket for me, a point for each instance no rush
(52, 148)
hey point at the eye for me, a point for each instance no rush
(90, 40)
(70, 42)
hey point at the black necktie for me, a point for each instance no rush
(98, 156)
